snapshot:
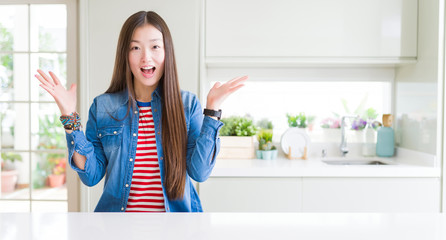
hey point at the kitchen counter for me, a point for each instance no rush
(407, 164)
(207, 226)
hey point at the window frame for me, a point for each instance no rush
(72, 181)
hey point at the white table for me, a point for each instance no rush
(85, 226)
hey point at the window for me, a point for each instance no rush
(33, 147)
(319, 93)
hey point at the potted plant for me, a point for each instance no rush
(237, 138)
(9, 174)
(57, 177)
(310, 121)
(297, 127)
(266, 148)
(331, 128)
(331, 123)
(357, 126)
(367, 117)
(299, 120)
(265, 124)
(52, 138)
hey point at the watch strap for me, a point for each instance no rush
(212, 113)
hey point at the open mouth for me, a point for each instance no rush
(148, 70)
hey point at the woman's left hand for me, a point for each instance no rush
(219, 92)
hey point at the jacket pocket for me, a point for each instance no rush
(111, 138)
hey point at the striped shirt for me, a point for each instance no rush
(146, 192)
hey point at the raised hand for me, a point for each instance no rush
(65, 99)
(219, 92)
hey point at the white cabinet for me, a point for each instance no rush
(316, 28)
(251, 194)
(321, 194)
(371, 194)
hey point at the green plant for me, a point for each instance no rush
(358, 110)
(238, 126)
(59, 166)
(51, 137)
(299, 120)
(310, 119)
(265, 124)
(11, 158)
(6, 60)
(370, 113)
(39, 177)
(51, 133)
(265, 137)
(228, 127)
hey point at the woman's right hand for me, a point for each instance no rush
(65, 99)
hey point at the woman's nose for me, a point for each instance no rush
(146, 56)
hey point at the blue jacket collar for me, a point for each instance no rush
(123, 96)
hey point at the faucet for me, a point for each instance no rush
(343, 146)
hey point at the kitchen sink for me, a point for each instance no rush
(355, 162)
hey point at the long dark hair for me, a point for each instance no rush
(174, 132)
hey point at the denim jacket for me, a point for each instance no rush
(110, 147)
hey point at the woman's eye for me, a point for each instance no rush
(134, 48)
(156, 47)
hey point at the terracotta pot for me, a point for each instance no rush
(56, 180)
(9, 180)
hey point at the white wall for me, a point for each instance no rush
(100, 24)
(416, 88)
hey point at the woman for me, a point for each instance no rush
(144, 134)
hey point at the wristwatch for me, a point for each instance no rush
(212, 113)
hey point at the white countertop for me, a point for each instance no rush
(225, 226)
(407, 164)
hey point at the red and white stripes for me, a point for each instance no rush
(146, 192)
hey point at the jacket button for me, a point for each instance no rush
(158, 133)
(100, 134)
(122, 209)
(154, 109)
(131, 159)
(161, 158)
(72, 142)
(134, 134)
(126, 185)
(136, 112)
(115, 132)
